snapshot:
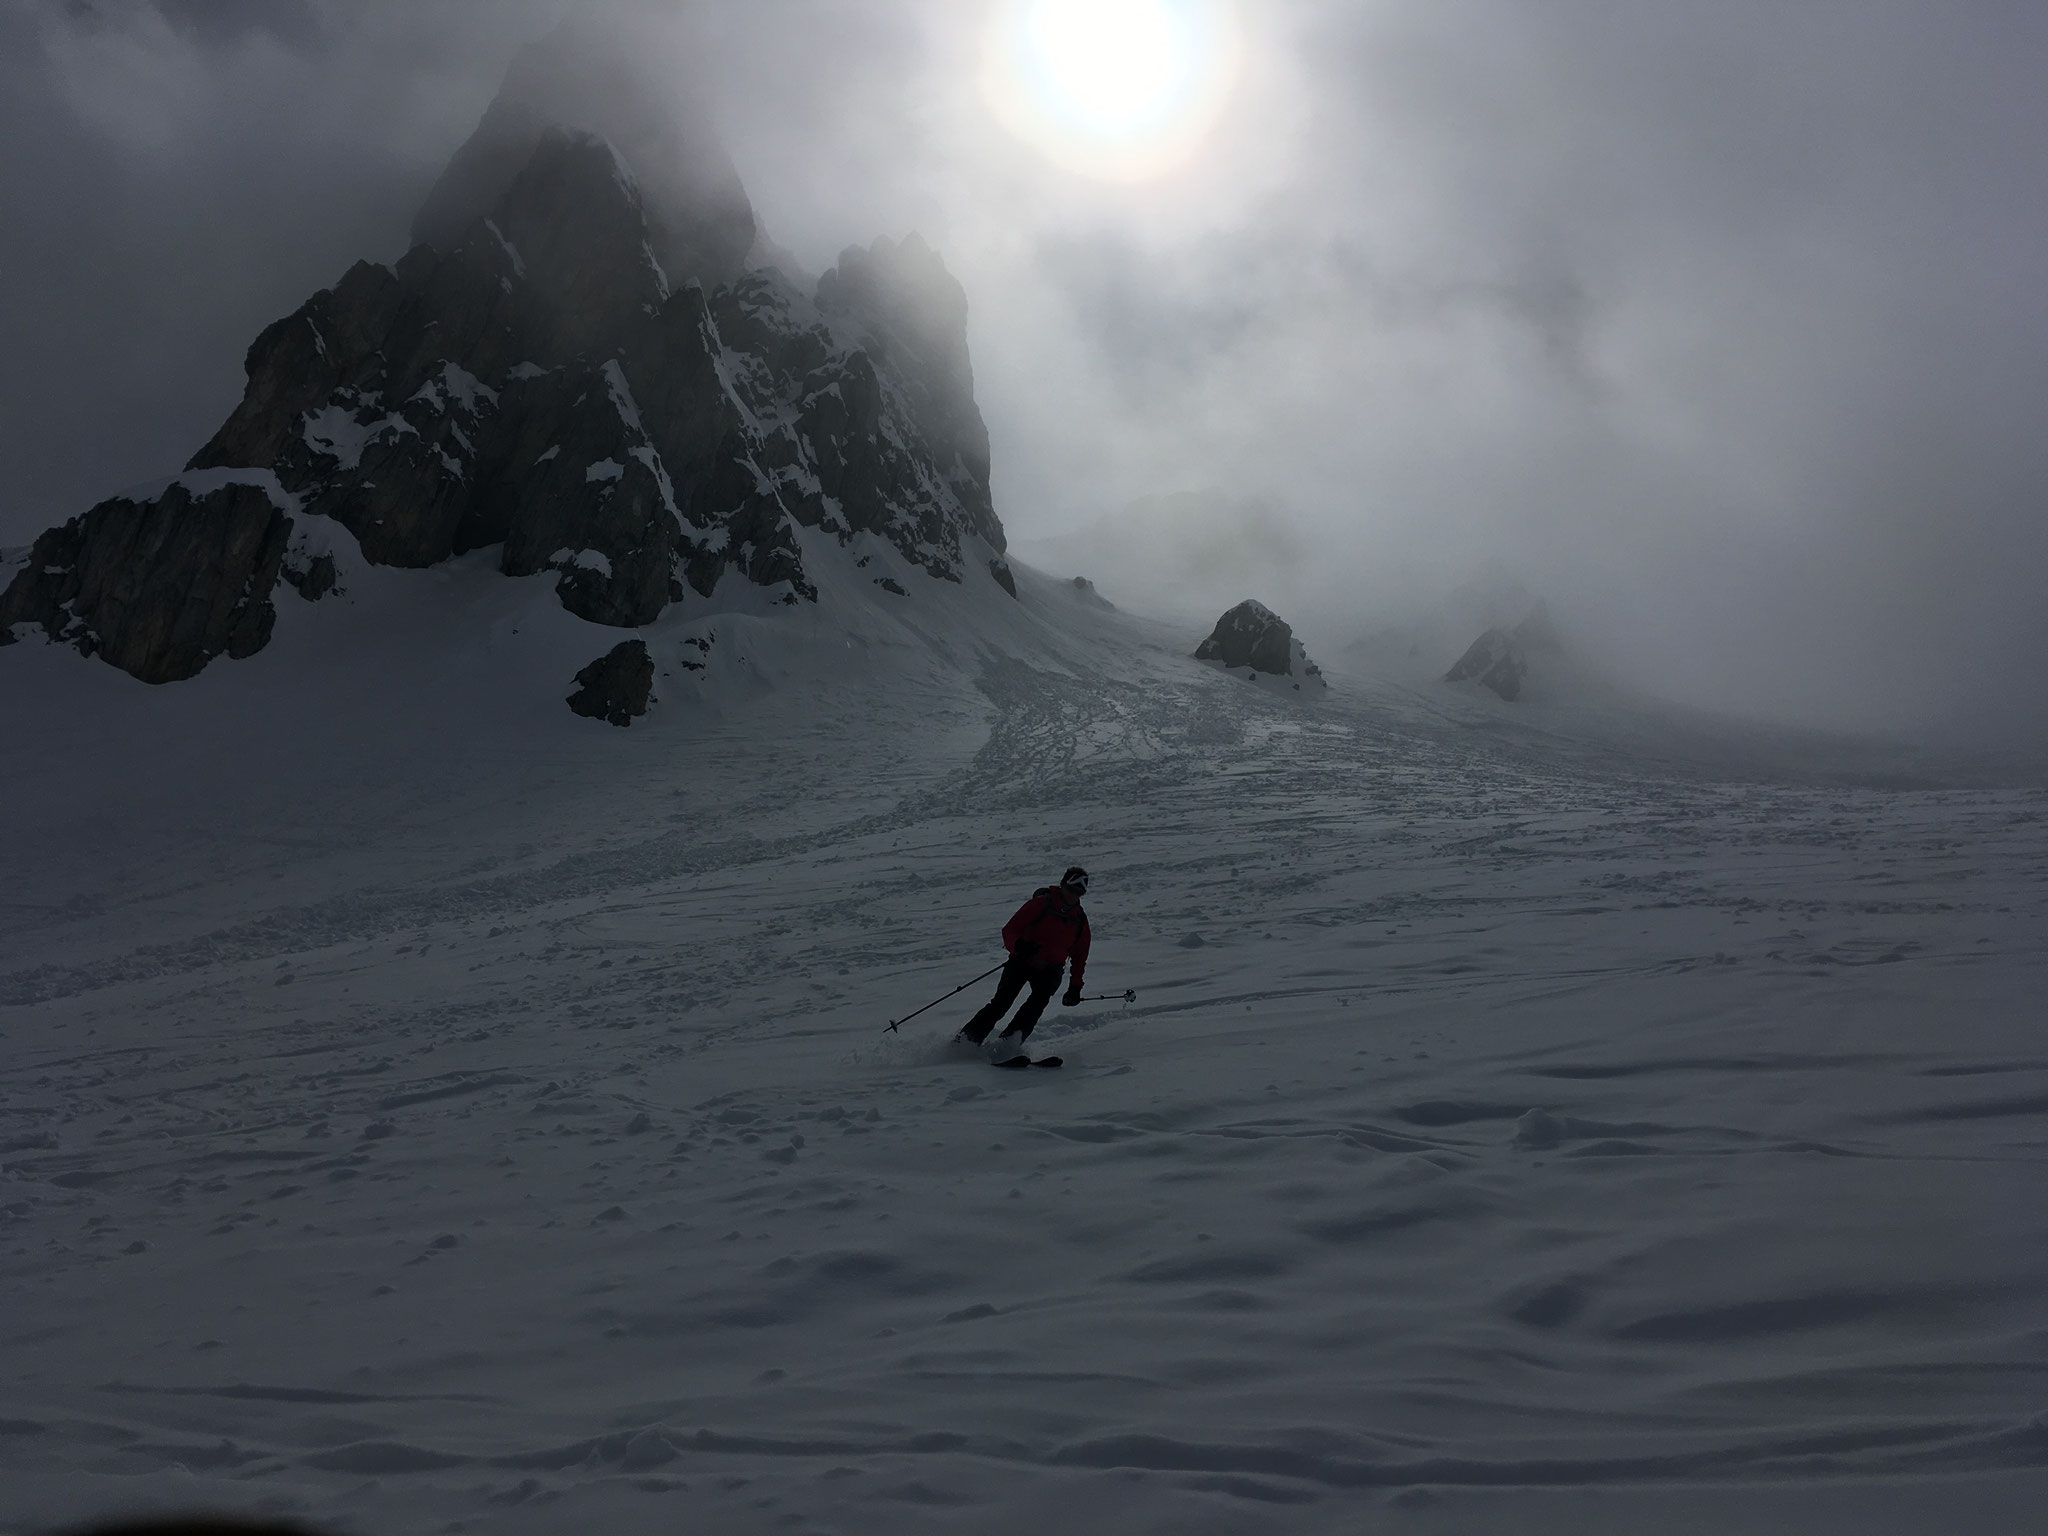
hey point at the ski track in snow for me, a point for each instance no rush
(1529, 1143)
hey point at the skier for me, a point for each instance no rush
(1046, 932)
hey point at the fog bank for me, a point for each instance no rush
(1718, 328)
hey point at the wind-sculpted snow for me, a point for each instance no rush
(480, 1119)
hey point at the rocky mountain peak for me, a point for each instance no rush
(1499, 659)
(583, 78)
(577, 368)
(576, 232)
(910, 313)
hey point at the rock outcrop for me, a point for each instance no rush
(542, 388)
(1494, 661)
(160, 587)
(617, 686)
(1499, 659)
(1253, 636)
(578, 366)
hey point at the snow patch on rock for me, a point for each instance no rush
(342, 430)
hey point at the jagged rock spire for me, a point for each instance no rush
(577, 367)
(584, 77)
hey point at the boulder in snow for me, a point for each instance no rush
(1084, 589)
(616, 687)
(312, 577)
(1252, 635)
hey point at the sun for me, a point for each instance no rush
(1120, 89)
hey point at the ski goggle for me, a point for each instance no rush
(1078, 884)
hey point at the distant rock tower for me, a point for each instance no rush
(1499, 659)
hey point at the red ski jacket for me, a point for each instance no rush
(1055, 927)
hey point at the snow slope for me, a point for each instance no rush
(426, 1110)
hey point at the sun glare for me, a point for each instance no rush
(1120, 89)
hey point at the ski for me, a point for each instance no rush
(1026, 1061)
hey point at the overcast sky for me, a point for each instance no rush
(1723, 326)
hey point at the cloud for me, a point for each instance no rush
(1718, 325)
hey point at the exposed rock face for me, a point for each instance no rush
(542, 388)
(616, 686)
(312, 578)
(911, 315)
(577, 367)
(1254, 636)
(1494, 661)
(159, 588)
(1499, 659)
(700, 222)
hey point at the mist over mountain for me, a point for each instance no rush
(587, 363)
(1421, 634)
(1716, 331)
(700, 222)
(1184, 552)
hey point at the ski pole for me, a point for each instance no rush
(984, 976)
(1113, 997)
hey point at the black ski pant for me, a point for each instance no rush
(1017, 975)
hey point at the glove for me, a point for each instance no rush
(1073, 996)
(1025, 953)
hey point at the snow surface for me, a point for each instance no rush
(425, 1106)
